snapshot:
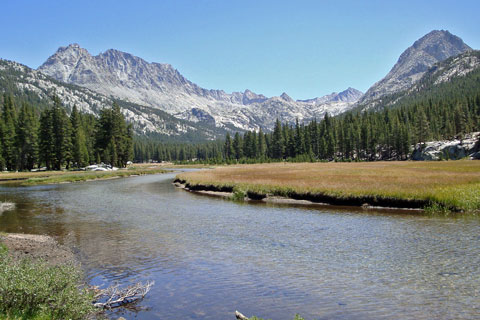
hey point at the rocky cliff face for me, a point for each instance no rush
(434, 47)
(124, 76)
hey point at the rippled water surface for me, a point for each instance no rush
(210, 257)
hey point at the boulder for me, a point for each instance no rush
(448, 149)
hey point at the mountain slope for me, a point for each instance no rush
(456, 78)
(434, 47)
(124, 76)
(36, 88)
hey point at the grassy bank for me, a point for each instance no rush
(34, 289)
(449, 185)
(50, 177)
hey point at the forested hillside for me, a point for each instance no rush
(32, 138)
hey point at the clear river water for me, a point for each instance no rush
(210, 257)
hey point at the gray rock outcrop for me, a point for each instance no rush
(456, 149)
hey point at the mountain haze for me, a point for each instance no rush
(124, 76)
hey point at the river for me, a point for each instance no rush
(210, 257)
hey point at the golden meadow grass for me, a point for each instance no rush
(450, 184)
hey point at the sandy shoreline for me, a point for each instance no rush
(37, 247)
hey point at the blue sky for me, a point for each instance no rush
(304, 48)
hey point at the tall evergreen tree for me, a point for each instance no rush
(2, 161)
(80, 156)
(46, 139)
(62, 135)
(238, 146)
(114, 143)
(27, 138)
(261, 145)
(8, 133)
(423, 127)
(277, 141)
(228, 147)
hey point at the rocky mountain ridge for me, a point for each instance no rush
(29, 84)
(412, 64)
(124, 76)
(453, 68)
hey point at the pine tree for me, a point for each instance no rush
(460, 121)
(113, 141)
(46, 139)
(128, 148)
(27, 138)
(247, 141)
(298, 140)
(253, 145)
(237, 146)
(80, 157)
(8, 133)
(2, 161)
(228, 147)
(423, 127)
(261, 145)
(62, 135)
(278, 146)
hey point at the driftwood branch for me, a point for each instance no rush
(240, 316)
(114, 297)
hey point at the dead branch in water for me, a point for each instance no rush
(5, 206)
(115, 297)
(240, 316)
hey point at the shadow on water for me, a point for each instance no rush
(210, 257)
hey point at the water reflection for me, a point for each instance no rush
(210, 257)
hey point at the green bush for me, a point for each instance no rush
(36, 290)
(238, 194)
(3, 250)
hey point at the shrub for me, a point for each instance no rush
(34, 289)
(238, 194)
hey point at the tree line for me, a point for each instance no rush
(386, 132)
(31, 138)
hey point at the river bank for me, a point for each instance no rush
(53, 177)
(40, 279)
(438, 186)
(207, 190)
(37, 247)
